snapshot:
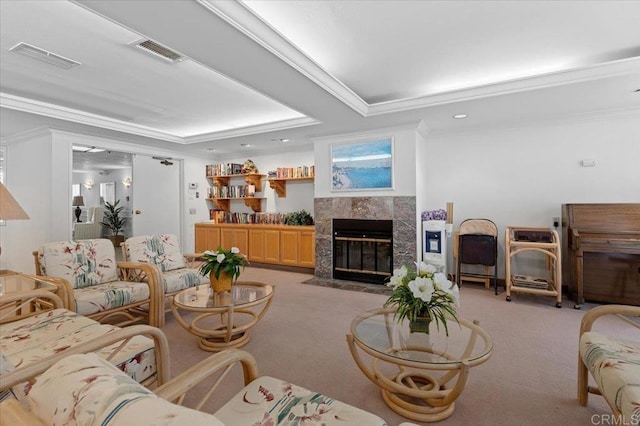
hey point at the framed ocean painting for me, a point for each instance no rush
(360, 166)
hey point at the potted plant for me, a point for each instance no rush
(298, 218)
(223, 267)
(114, 221)
(423, 297)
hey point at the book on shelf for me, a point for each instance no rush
(223, 169)
(236, 191)
(221, 216)
(292, 172)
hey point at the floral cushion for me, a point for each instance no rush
(26, 341)
(269, 401)
(615, 366)
(6, 366)
(115, 294)
(182, 278)
(83, 263)
(90, 391)
(162, 250)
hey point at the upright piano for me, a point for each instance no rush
(601, 252)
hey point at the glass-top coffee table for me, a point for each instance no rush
(223, 319)
(420, 374)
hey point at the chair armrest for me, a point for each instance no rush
(192, 258)
(151, 274)
(11, 305)
(219, 364)
(598, 312)
(161, 349)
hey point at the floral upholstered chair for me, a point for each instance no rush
(96, 286)
(612, 360)
(90, 390)
(178, 271)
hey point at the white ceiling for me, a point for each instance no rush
(257, 71)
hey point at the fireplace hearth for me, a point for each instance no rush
(362, 250)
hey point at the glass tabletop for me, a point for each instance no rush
(242, 293)
(15, 283)
(380, 332)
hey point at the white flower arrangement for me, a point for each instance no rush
(423, 294)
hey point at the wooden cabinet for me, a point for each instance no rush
(272, 244)
(230, 237)
(289, 247)
(264, 245)
(307, 249)
(207, 238)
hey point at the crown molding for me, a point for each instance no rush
(68, 114)
(244, 20)
(26, 135)
(252, 130)
(543, 81)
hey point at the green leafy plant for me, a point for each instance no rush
(423, 294)
(112, 217)
(299, 218)
(220, 260)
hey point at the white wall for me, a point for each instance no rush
(39, 177)
(520, 177)
(195, 204)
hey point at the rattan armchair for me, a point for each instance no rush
(92, 283)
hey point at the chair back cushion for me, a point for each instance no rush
(162, 250)
(83, 263)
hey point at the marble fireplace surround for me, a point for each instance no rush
(400, 210)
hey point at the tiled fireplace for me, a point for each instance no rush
(400, 211)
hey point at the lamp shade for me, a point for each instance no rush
(9, 207)
(78, 201)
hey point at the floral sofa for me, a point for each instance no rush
(29, 339)
(97, 286)
(613, 362)
(178, 271)
(91, 391)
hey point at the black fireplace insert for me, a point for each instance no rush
(363, 250)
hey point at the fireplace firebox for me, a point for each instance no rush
(362, 250)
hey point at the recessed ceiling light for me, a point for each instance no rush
(460, 116)
(246, 145)
(637, 90)
(284, 140)
(211, 149)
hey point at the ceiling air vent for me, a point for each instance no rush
(159, 50)
(44, 55)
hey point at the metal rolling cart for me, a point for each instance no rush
(541, 240)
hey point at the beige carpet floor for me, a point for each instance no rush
(529, 380)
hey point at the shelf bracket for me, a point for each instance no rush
(280, 187)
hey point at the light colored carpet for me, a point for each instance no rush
(529, 380)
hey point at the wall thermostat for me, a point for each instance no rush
(193, 185)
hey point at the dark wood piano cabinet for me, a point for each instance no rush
(601, 252)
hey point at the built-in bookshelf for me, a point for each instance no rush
(278, 178)
(223, 192)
